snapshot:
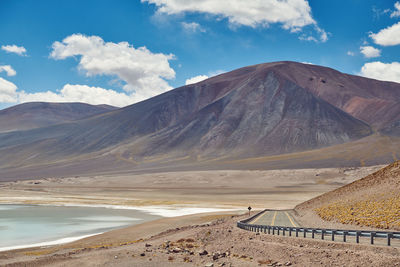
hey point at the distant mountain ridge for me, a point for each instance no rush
(40, 114)
(256, 111)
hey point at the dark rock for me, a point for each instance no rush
(204, 252)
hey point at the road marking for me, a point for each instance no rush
(290, 219)
(262, 214)
(273, 219)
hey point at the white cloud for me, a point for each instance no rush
(396, 13)
(20, 50)
(350, 53)
(370, 51)
(8, 91)
(79, 93)
(200, 78)
(143, 72)
(388, 36)
(323, 35)
(196, 79)
(379, 12)
(8, 69)
(193, 27)
(292, 14)
(382, 71)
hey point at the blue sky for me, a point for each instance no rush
(123, 51)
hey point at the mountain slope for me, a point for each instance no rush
(375, 102)
(263, 114)
(40, 114)
(256, 111)
(371, 201)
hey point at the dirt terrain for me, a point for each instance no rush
(178, 241)
(263, 189)
(217, 243)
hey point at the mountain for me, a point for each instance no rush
(372, 201)
(375, 102)
(266, 110)
(40, 114)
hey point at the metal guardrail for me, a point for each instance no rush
(243, 224)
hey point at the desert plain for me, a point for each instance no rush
(214, 232)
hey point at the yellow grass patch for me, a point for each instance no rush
(379, 211)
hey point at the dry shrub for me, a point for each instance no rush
(261, 262)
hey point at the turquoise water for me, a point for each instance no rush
(22, 225)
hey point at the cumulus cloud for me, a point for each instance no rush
(370, 51)
(388, 36)
(79, 93)
(8, 69)
(7, 91)
(19, 50)
(143, 72)
(350, 53)
(293, 15)
(196, 79)
(382, 71)
(192, 27)
(200, 78)
(396, 12)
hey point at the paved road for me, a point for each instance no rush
(276, 218)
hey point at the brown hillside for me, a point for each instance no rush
(373, 201)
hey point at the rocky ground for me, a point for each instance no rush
(219, 243)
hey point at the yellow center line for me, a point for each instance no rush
(290, 219)
(262, 214)
(273, 219)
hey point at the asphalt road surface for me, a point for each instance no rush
(276, 218)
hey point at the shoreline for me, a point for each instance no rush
(153, 210)
(60, 241)
(166, 211)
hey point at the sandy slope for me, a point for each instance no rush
(372, 201)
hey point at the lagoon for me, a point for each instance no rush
(33, 225)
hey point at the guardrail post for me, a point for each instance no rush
(273, 230)
(344, 236)
(278, 229)
(265, 229)
(322, 234)
(333, 235)
(269, 230)
(372, 237)
(290, 231)
(312, 233)
(297, 232)
(304, 233)
(357, 237)
(389, 235)
(283, 231)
